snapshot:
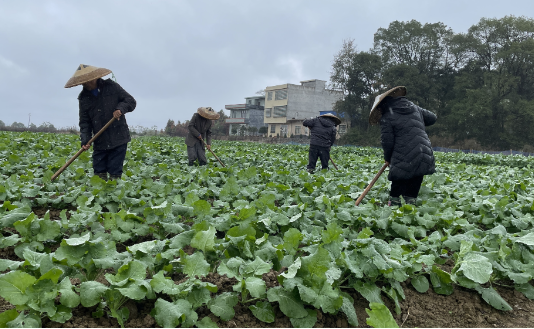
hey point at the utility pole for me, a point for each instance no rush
(29, 119)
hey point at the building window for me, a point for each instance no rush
(306, 131)
(279, 111)
(280, 94)
(297, 130)
(249, 101)
(270, 96)
(273, 129)
(268, 112)
(342, 129)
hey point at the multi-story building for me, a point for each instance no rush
(288, 105)
(245, 116)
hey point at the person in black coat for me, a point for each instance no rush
(323, 136)
(407, 148)
(100, 101)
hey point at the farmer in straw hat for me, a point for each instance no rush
(323, 136)
(100, 100)
(406, 145)
(200, 128)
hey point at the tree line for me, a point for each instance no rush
(479, 83)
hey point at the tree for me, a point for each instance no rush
(242, 130)
(252, 130)
(219, 126)
(263, 130)
(19, 125)
(2, 124)
(47, 127)
(234, 130)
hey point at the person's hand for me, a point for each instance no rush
(387, 163)
(117, 114)
(200, 137)
(209, 147)
(86, 147)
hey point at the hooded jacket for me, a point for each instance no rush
(96, 111)
(323, 131)
(405, 142)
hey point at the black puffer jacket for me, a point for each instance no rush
(404, 139)
(323, 131)
(95, 112)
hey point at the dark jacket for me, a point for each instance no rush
(95, 112)
(198, 126)
(404, 139)
(323, 131)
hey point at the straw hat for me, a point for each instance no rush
(85, 73)
(333, 117)
(376, 114)
(208, 113)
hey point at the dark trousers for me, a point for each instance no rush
(195, 152)
(320, 152)
(109, 161)
(408, 188)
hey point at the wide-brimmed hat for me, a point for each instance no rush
(333, 117)
(85, 73)
(376, 113)
(208, 113)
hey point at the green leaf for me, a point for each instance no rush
(527, 289)
(14, 215)
(78, 241)
(332, 233)
(9, 264)
(223, 305)
(91, 293)
(314, 267)
(181, 240)
(441, 281)
(292, 269)
(134, 270)
(204, 240)
(476, 267)
(201, 208)
(195, 264)
(49, 230)
(527, 239)
(256, 287)
(420, 283)
(68, 297)
(328, 299)
(41, 296)
(8, 316)
(31, 320)
(160, 284)
(199, 296)
(349, 310)
(170, 315)
(257, 267)
(292, 239)
(136, 289)
(206, 322)
(492, 297)
(380, 316)
(63, 314)
(289, 302)
(306, 322)
(13, 286)
(369, 291)
(263, 311)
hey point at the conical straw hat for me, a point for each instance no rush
(333, 117)
(86, 73)
(376, 114)
(208, 113)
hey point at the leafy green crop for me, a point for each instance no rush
(100, 244)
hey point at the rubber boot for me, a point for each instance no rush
(394, 201)
(310, 171)
(103, 175)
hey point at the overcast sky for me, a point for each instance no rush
(175, 56)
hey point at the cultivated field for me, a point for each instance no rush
(261, 243)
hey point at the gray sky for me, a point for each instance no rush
(175, 56)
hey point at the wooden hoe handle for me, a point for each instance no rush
(81, 150)
(222, 164)
(371, 184)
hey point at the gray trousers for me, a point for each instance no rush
(195, 152)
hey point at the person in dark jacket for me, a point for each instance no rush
(406, 145)
(100, 101)
(200, 129)
(323, 135)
